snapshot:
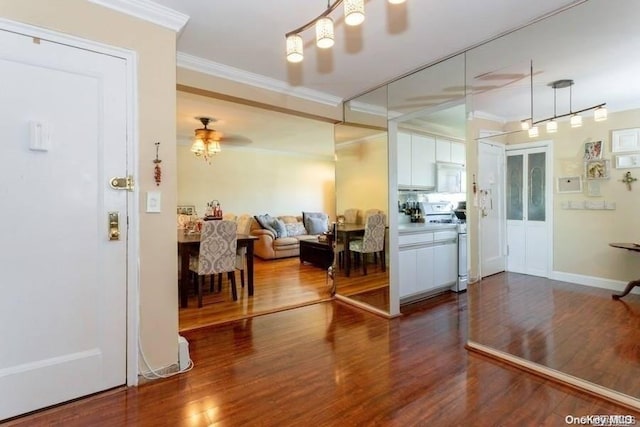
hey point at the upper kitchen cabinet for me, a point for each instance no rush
(450, 151)
(416, 161)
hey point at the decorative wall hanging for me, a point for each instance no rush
(157, 172)
(569, 184)
(593, 150)
(628, 179)
(625, 140)
(627, 161)
(596, 169)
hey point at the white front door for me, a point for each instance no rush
(528, 200)
(491, 207)
(63, 293)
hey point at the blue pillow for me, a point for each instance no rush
(281, 229)
(321, 215)
(315, 225)
(265, 222)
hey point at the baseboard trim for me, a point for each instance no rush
(148, 376)
(596, 282)
(556, 376)
(364, 306)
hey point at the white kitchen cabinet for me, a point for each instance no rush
(404, 159)
(425, 267)
(416, 160)
(407, 272)
(445, 256)
(450, 151)
(428, 261)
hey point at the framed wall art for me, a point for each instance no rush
(569, 184)
(628, 161)
(596, 169)
(593, 150)
(625, 140)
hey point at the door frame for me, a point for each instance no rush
(548, 145)
(486, 139)
(133, 246)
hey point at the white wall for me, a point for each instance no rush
(257, 182)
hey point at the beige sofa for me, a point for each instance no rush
(269, 246)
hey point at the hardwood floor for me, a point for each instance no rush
(282, 284)
(331, 364)
(574, 329)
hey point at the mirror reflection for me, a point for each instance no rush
(550, 203)
(362, 242)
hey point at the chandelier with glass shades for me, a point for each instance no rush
(207, 141)
(551, 124)
(353, 16)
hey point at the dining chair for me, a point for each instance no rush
(351, 216)
(372, 241)
(217, 254)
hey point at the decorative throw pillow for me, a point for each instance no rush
(265, 222)
(279, 226)
(321, 215)
(315, 225)
(295, 229)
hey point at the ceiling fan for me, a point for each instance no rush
(207, 141)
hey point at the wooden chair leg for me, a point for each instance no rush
(364, 263)
(232, 279)
(241, 278)
(200, 280)
(212, 282)
(219, 282)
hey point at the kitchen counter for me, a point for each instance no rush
(421, 227)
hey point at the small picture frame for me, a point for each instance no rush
(593, 150)
(593, 188)
(596, 169)
(186, 210)
(625, 140)
(628, 161)
(569, 184)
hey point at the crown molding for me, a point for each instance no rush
(477, 114)
(201, 65)
(148, 10)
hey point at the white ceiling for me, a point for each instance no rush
(248, 36)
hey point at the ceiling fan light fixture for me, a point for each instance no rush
(396, 1)
(324, 32)
(197, 147)
(353, 12)
(294, 48)
(600, 114)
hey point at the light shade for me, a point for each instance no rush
(533, 132)
(197, 147)
(294, 48)
(525, 124)
(600, 114)
(576, 121)
(324, 32)
(552, 126)
(353, 12)
(396, 1)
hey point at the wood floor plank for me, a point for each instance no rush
(331, 364)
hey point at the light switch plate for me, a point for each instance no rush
(154, 201)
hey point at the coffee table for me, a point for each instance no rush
(316, 253)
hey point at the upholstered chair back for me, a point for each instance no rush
(374, 228)
(351, 216)
(218, 244)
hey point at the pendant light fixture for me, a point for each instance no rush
(324, 26)
(206, 143)
(353, 12)
(599, 114)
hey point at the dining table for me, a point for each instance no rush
(345, 233)
(634, 247)
(189, 243)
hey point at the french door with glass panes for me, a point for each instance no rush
(528, 203)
